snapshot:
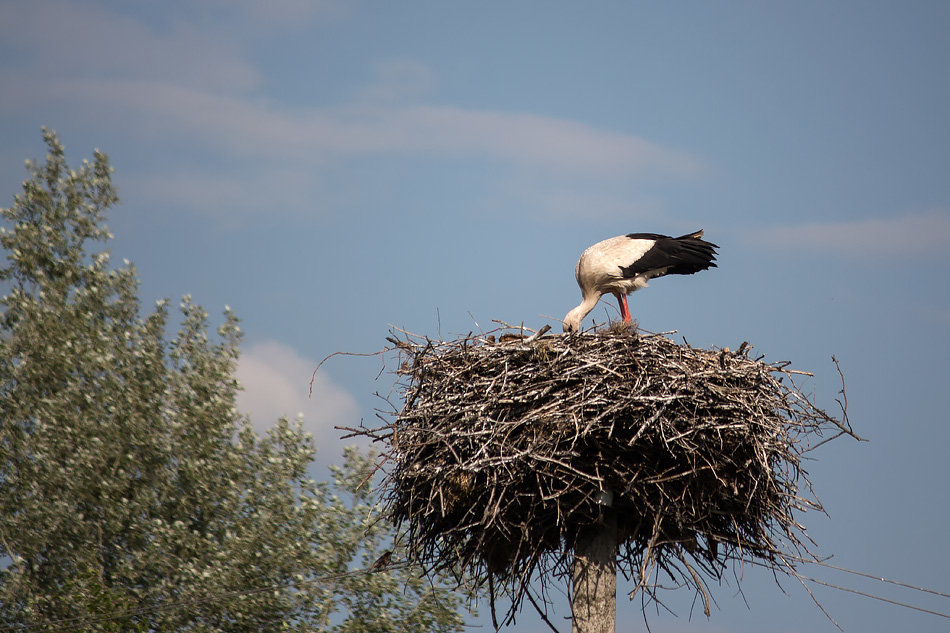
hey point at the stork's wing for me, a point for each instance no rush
(677, 256)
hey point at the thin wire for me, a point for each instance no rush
(803, 578)
(887, 580)
(66, 624)
(810, 561)
(873, 597)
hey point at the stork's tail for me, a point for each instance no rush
(694, 254)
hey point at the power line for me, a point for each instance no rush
(881, 579)
(866, 594)
(880, 598)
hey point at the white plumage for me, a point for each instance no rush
(623, 264)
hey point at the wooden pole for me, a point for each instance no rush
(594, 603)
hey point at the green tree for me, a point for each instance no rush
(133, 494)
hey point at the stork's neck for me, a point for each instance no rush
(572, 321)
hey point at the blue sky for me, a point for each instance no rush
(329, 169)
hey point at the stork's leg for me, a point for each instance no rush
(624, 308)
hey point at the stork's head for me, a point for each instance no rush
(572, 320)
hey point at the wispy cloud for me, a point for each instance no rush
(190, 87)
(397, 80)
(276, 380)
(280, 13)
(536, 141)
(913, 235)
(54, 40)
(243, 126)
(553, 198)
(229, 196)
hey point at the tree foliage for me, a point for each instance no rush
(133, 494)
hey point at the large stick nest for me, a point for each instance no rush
(506, 450)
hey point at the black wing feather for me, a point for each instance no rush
(683, 255)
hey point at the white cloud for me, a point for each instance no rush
(192, 81)
(533, 141)
(913, 235)
(245, 127)
(276, 382)
(397, 80)
(277, 157)
(564, 201)
(188, 85)
(279, 12)
(229, 196)
(81, 39)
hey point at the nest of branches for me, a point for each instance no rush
(508, 447)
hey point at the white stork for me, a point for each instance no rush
(623, 264)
